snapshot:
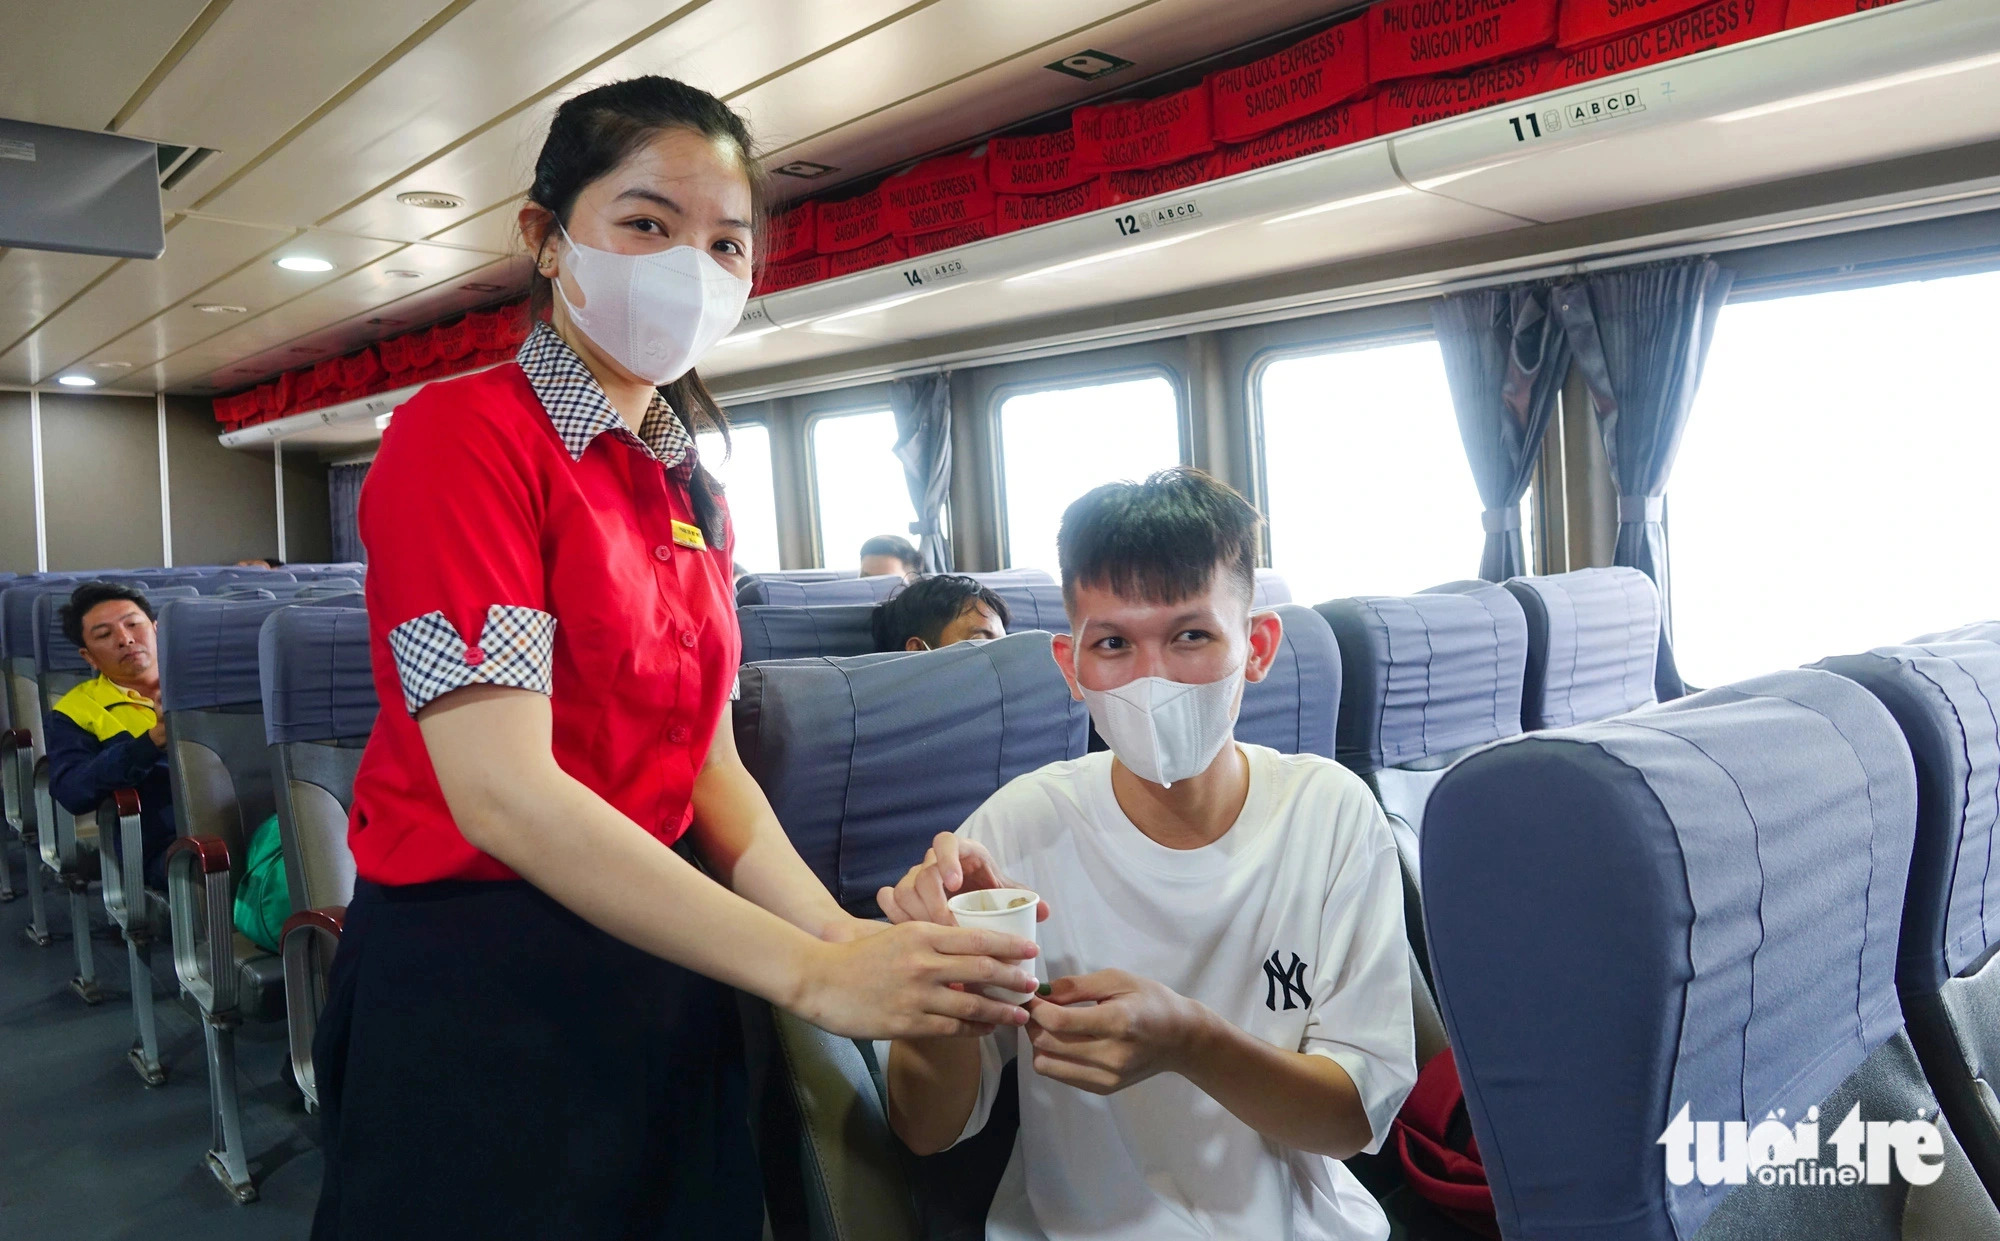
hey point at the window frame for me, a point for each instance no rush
(809, 427)
(771, 438)
(997, 437)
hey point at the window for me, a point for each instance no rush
(1057, 443)
(1365, 477)
(1833, 489)
(745, 474)
(860, 484)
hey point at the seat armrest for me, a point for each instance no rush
(17, 779)
(125, 872)
(201, 901)
(65, 842)
(307, 945)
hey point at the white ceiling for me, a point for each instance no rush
(323, 112)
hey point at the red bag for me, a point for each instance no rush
(1419, 101)
(1432, 1137)
(852, 223)
(778, 277)
(503, 328)
(1590, 21)
(233, 411)
(792, 234)
(1411, 37)
(1335, 127)
(360, 370)
(847, 262)
(454, 340)
(1040, 164)
(325, 377)
(1125, 187)
(274, 399)
(1143, 133)
(957, 235)
(1329, 68)
(1717, 23)
(938, 193)
(395, 354)
(1013, 212)
(1810, 12)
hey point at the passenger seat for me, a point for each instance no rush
(1593, 645)
(1685, 914)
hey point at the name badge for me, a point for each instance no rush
(689, 536)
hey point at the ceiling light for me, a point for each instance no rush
(221, 308)
(304, 262)
(430, 199)
(403, 273)
(111, 366)
(77, 381)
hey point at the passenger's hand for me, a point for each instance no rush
(952, 866)
(158, 734)
(1135, 1028)
(847, 929)
(899, 983)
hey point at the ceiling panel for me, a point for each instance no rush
(77, 62)
(721, 47)
(493, 230)
(33, 284)
(261, 69)
(199, 252)
(482, 62)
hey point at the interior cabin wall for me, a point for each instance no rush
(101, 459)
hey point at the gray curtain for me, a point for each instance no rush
(923, 444)
(1505, 356)
(343, 495)
(1641, 337)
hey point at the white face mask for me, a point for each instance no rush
(1164, 730)
(653, 314)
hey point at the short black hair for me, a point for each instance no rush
(90, 595)
(892, 545)
(925, 607)
(1160, 540)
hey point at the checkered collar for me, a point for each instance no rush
(576, 404)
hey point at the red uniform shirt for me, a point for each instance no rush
(519, 534)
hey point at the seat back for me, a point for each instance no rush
(1978, 631)
(1032, 605)
(788, 592)
(866, 757)
(319, 707)
(313, 588)
(776, 632)
(1294, 708)
(17, 649)
(1271, 589)
(1593, 644)
(1681, 916)
(1946, 700)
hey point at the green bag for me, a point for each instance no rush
(263, 900)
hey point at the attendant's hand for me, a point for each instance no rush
(1135, 1029)
(952, 866)
(899, 983)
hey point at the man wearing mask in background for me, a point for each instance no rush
(934, 612)
(1229, 1008)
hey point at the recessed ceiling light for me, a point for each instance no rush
(804, 169)
(304, 262)
(111, 366)
(77, 381)
(404, 273)
(430, 199)
(221, 308)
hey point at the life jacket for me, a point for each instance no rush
(1440, 1157)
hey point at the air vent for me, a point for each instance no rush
(804, 169)
(430, 199)
(177, 162)
(483, 288)
(1090, 65)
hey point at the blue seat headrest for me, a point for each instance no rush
(866, 758)
(1031, 605)
(1426, 675)
(17, 612)
(802, 633)
(1593, 643)
(1946, 699)
(208, 651)
(53, 651)
(314, 667)
(1978, 631)
(1695, 904)
(1271, 590)
(753, 591)
(1294, 708)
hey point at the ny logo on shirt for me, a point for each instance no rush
(1291, 977)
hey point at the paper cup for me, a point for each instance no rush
(1010, 911)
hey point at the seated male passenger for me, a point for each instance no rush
(1229, 1008)
(886, 553)
(934, 612)
(261, 562)
(107, 734)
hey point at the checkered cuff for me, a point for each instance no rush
(516, 649)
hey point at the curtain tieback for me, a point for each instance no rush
(1501, 520)
(1634, 509)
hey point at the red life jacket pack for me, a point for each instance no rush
(1037, 164)
(1143, 133)
(1585, 22)
(1322, 131)
(1310, 76)
(792, 234)
(1712, 24)
(1807, 12)
(1411, 37)
(1433, 1140)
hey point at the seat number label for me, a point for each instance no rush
(1132, 223)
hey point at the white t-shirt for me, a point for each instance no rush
(1290, 926)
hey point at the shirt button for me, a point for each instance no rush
(474, 657)
(687, 637)
(663, 552)
(679, 735)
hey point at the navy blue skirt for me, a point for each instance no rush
(491, 1065)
